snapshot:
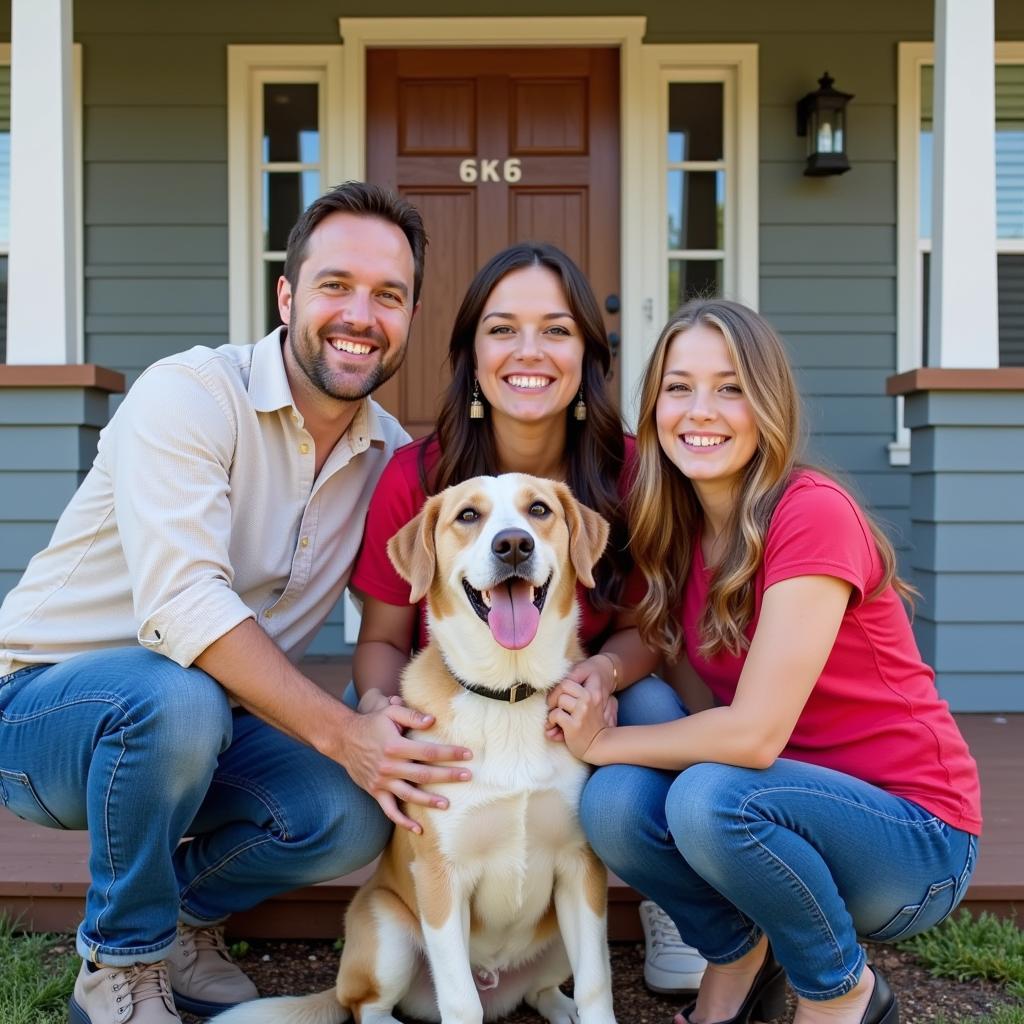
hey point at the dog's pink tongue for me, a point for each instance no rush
(513, 618)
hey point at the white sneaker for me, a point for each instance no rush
(670, 965)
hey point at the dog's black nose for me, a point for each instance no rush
(513, 547)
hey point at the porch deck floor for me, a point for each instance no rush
(44, 873)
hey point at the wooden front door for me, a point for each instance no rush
(494, 146)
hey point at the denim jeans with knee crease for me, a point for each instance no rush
(143, 752)
(810, 856)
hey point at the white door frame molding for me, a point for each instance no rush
(625, 33)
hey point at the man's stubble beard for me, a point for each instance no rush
(304, 342)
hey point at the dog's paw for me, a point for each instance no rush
(555, 1006)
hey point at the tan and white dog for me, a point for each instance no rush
(500, 899)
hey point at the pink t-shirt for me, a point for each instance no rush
(874, 712)
(399, 497)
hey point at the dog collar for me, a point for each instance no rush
(513, 695)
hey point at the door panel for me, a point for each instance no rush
(494, 146)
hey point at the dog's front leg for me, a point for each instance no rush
(581, 904)
(443, 898)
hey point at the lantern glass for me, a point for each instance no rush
(838, 139)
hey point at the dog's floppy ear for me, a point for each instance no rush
(588, 535)
(412, 551)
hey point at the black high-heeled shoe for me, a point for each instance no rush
(766, 999)
(882, 1007)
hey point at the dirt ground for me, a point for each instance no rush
(296, 968)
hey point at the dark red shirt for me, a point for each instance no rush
(399, 497)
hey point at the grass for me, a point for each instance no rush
(37, 973)
(967, 948)
(1001, 1015)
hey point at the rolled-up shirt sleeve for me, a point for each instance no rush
(171, 475)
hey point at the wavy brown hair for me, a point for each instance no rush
(664, 510)
(594, 447)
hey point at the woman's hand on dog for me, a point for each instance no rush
(581, 714)
(391, 767)
(594, 676)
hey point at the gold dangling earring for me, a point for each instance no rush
(580, 409)
(476, 407)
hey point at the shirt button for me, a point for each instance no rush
(304, 448)
(268, 615)
(304, 542)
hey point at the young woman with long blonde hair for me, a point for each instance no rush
(829, 795)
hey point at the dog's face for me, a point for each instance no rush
(499, 552)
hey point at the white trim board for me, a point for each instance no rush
(249, 67)
(77, 156)
(909, 286)
(644, 72)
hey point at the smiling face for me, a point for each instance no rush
(528, 348)
(498, 559)
(705, 423)
(350, 312)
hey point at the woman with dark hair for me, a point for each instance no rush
(528, 357)
(829, 795)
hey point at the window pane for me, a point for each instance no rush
(1010, 151)
(695, 121)
(1011, 309)
(285, 195)
(696, 202)
(3, 309)
(272, 270)
(5, 199)
(290, 130)
(688, 279)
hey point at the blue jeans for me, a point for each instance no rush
(142, 752)
(810, 856)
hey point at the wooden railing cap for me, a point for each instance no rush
(74, 375)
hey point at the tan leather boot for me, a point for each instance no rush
(204, 981)
(114, 995)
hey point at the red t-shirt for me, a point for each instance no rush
(874, 712)
(399, 497)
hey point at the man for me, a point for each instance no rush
(148, 688)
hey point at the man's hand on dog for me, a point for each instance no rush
(391, 767)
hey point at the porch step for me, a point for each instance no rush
(44, 873)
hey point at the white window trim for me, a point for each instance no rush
(910, 286)
(644, 72)
(736, 67)
(77, 151)
(249, 68)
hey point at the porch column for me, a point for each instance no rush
(42, 278)
(963, 310)
(967, 530)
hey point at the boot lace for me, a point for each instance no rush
(142, 981)
(196, 940)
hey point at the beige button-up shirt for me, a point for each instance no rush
(201, 510)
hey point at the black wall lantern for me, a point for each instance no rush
(821, 116)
